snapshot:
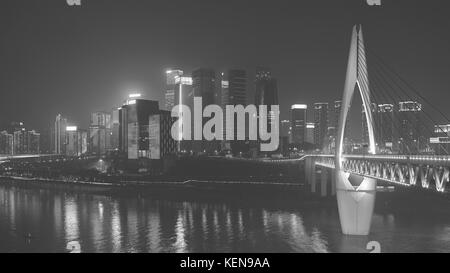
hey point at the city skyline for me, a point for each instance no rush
(300, 58)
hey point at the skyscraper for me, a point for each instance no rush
(237, 95)
(204, 86)
(266, 92)
(161, 143)
(171, 90)
(100, 133)
(309, 139)
(115, 130)
(6, 143)
(60, 135)
(333, 125)
(184, 96)
(72, 140)
(411, 135)
(320, 124)
(386, 127)
(298, 123)
(134, 126)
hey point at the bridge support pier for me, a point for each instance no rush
(313, 179)
(333, 184)
(307, 170)
(356, 200)
(323, 182)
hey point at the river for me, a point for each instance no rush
(45, 219)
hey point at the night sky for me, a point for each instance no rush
(75, 60)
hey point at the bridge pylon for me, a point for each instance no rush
(355, 193)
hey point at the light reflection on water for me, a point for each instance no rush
(45, 220)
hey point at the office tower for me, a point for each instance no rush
(134, 126)
(237, 95)
(310, 134)
(266, 93)
(171, 90)
(100, 133)
(33, 142)
(72, 141)
(161, 143)
(411, 135)
(334, 120)
(237, 88)
(6, 143)
(385, 127)
(184, 96)
(224, 101)
(115, 130)
(333, 126)
(320, 124)
(285, 136)
(204, 86)
(60, 134)
(45, 144)
(20, 142)
(298, 123)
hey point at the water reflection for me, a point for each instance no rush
(47, 220)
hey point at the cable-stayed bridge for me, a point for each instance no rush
(354, 176)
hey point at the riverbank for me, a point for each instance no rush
(182, 190)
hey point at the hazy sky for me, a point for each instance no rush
(76, 60)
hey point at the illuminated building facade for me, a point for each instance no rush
(298, 123)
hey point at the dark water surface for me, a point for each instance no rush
(39, 219)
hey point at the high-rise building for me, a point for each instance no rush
(224, 101)
(184, 96)
(204, 86)
(411, 135)
(60, 134)
(115, 130)
(46, 137)
(336, 114)
(171, 90)
(320, 124)
(100, 133)
(20, 142)
(310, 133)
(72, 140)
(134, 126)
(237, 95)
(285, 136)
(266, 92)
(333, 125)
(33, 142)
(298, 124)
(6, 143)
(385, 127)
(161, 144)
